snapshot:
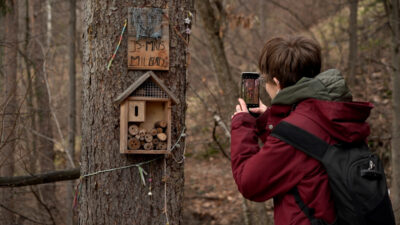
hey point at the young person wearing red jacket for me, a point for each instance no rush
(319, 103)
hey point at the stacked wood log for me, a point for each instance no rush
(133, 130)
(153, 139)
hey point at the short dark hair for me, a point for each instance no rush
(289, 59)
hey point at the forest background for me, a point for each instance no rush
(41, 85)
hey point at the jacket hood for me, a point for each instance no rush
(344, 121)
(329, 85)
(328, 102)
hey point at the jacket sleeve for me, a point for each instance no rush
(261, 124)
(262, 173)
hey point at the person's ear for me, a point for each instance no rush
(276, 81)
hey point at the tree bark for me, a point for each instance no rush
(392, 8)
(72, 106)
(39, 48)
(353, 48)
(30, 94)
(119, 197)
(8, 137)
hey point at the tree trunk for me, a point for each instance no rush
(119, 197)
(46, 157)
(48, 23)
(254, 213)
(263, 34)
(30, 95)
(212, 25)
(8, 137)
(72, 106)
(352, 61)
(263, 12)
(392, 7)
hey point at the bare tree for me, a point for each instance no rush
(31, 138)
(353, 28)
(213, 16)
(72, 104)
(40, 86)
(119, 197)
(48, 23)
(392, 9)
(8, 126)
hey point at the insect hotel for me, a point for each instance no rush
(145, 118)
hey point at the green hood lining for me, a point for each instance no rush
(328, 85)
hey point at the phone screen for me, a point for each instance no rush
(250, 89)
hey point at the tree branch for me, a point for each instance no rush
(49, 177)
(214, 136)
(25, 217)
(295, 15)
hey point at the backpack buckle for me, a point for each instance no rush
(371, 165)
(371, 173)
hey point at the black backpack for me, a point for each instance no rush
(356, 178)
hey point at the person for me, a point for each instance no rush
(318, 102)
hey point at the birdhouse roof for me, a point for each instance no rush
(148, 75)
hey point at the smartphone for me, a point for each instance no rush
(250, 89)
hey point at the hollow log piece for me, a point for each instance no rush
(133, 144)
(142, 132)
(162, 145)
(155, 141)
(153, 132)
(133, 129)
(148, 146)
(148, 138)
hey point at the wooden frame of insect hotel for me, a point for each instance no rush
(145, 117)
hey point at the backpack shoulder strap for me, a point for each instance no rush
(309, 212)
(301, 139)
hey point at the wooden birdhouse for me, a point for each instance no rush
(145, 118)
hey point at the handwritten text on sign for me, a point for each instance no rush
(148, 39)
(148, 54)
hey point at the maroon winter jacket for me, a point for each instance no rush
(275, 168)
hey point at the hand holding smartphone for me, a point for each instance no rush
(250, 89)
